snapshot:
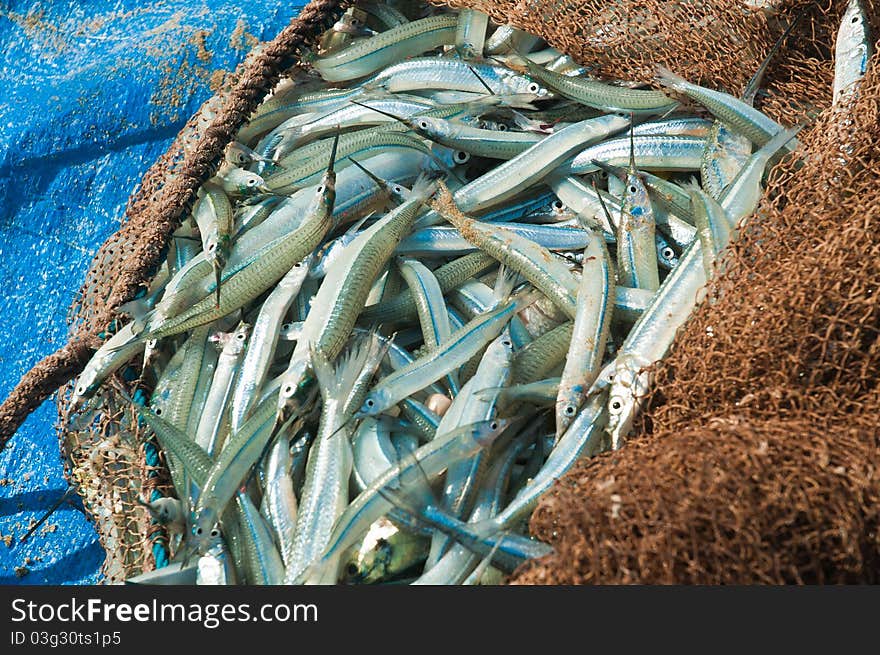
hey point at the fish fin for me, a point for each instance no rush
(425, 186)
(691, 185)
(138, 311)
(526, 124)
(488, 393)
(504, 283)
(355, 227)
(526, 299)
(352, 363)
(324, 371)
(667, 78)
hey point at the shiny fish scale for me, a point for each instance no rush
(250, 282)
(343, 293)
(536, 264)
(398, 43)
(449, 276)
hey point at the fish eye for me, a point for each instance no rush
(370, 402)
(534, 87)
(242, 158)
(398, 189)
(80, 390)
(632, 188)
(288, 390)
(493, 425)
(616, 405)
(557, 205)
(351, 569)
(320, 189)
(251, 182)
(215, 532)
(423, 125)
(240, 336)
(286, 326)
(502, 127)
(506, 342)
(569, 411)
(668, 252)
(460, 156)
(212, 247)
(197, 531)
(855, 19)
(158, 411)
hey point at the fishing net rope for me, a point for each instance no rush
(757, 454)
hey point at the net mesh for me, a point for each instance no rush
(757, 458)
(758, 455)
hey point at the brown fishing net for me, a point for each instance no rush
(717, 43)
(758, 457)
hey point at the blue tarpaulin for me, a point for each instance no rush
(94, 92)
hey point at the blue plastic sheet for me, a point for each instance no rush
(93, 93)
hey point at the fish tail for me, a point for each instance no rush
(667, 78)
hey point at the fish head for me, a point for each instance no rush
(151, 352)
(428, 126)
(501, 349)
(532, 89)
(376, 402)
(853, 34)
(637, 204)
(351, 25)
(215, 566)
(666, 255)
(205, 532)
(246, 183)
(294, 388)
(526, 84)
(159, 403)
(373, 559)
(87, 385)
(399, 193)
(237, 154)
(568, 403)
(165, 511)
(486, 432)
(325, 192)
(232, 342)
(626, 395)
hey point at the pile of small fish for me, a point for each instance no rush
(428, 278)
